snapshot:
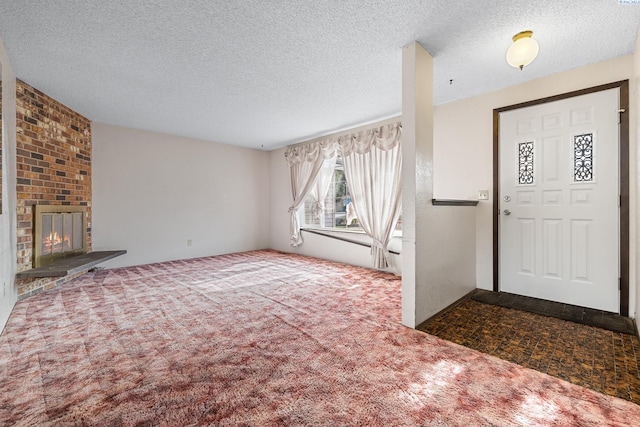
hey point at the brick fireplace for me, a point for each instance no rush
(53, 156)
(59, 232)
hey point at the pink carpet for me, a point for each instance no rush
(260, 339)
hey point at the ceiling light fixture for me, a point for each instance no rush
(523, 50)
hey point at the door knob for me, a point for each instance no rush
(507, 212)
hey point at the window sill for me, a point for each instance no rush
(397, 233)
(336, 235)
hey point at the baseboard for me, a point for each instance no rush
(447, 308)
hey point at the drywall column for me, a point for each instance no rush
(417, 171)
(438, 242)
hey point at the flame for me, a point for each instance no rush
(56, 243)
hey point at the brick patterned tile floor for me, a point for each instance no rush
(595, 358)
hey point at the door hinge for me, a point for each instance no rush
(619, 283)
(619, 200)
(620, 111)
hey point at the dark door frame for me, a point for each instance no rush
(623, 85)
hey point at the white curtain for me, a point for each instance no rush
(305, 162)
(373, 168)
(319, 191)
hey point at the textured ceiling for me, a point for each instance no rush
(265, 74)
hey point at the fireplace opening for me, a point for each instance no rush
(58, 232)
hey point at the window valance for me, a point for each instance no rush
(384, 138)
(325, 149)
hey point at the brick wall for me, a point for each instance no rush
(53, 152)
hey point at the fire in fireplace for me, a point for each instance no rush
(59, 232)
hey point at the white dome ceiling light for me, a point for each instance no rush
(523, 50)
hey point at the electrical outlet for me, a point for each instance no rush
(483, 194)
(189, 242)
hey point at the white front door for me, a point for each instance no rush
(559, 203)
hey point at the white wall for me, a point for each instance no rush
(634, 127)
(153, 192)
(8, 291)
(463, 148)
(445, 259)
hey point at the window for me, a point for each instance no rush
(337, 212)
(335, 204)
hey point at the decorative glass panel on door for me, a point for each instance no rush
(583, 158)
(525, 163)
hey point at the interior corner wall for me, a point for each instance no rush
(463, 148)
(8, 266)
(163, 197)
